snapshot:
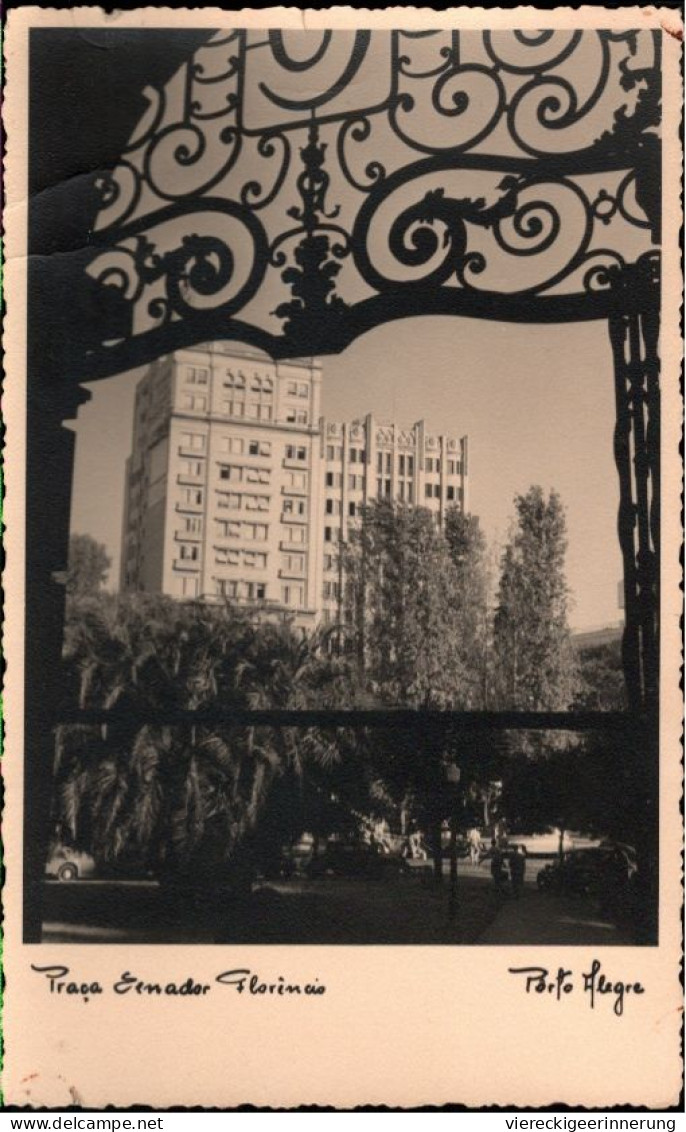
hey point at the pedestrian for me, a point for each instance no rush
(498, 869)
(517, 870)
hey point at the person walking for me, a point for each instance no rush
(498, 869)
(517, 870)
(474, 838)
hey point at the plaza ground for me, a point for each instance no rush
(407, 908)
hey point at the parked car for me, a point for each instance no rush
(350, 859)
(541, 844)
(589, 871)
(68, 864)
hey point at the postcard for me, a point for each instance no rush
(343, 722)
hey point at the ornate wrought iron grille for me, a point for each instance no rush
(294, 190)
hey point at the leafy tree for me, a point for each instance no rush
(404, 626)
(467, 548)
(535, 663)
(602, 685)
(400, 611)
(89, 565)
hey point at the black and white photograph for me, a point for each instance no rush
(349, 522)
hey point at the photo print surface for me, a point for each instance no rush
(359, 383)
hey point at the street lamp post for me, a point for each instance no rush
(452, 777)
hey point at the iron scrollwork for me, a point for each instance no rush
(497, 174)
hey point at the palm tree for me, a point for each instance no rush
(186, 802)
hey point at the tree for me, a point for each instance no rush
(467, 548)
(185, 801)
(404, 627)
(602, 685)
(535, 663)
(89, 565)
(400, 612)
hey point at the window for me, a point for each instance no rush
(194, 402)
(352, 507)
(260, 590)
(233, 408)
(226, 528)
(193, 526)
(329, 479)
(197, 376)
(329, 562)
(193, 440)
(401, 465)
(189, 586)
(234, 380)
(265, 448)
(256, 502)
(188, 552)
(226, 587)
(292, 389)
(233, 444)
(257, 475)
(297, 480)
(231, 472)
(192, 496)
(451, 467)
(292, 595)
(451, 492)
(410, 493)
(352, 455)
(433, 465)
(334, 452)
(253, 560)
(296, 416)
(253, 411)
(230, 501)
(332, 590)
(329, 534)
(224, 557)
(294, 506)
(303, 389)
(256, 531)
(253, 448)
(387, 489)
(293, 563)
(295, 453)
(333, 507)
(379, 462)
(410, 465)
(190, 468)
(295, 535)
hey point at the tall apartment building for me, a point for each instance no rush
(223, 485)
(236, 487)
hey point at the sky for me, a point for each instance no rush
(537, 403)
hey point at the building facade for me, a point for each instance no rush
(237, 488)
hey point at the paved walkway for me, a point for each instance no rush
(543, 918)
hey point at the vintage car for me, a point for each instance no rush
(69, 864)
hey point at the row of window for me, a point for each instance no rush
(355, 455)
(196, 441)
(297, 389)
(251, 410)
(235, 501)
(236, 473)
(233, 528)
(250, 558)
(237, 380)
(433, 491)
(245, 591)
(335, 507)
